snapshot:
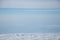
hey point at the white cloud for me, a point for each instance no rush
(28, 36)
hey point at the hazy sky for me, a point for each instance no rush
(29, 4)
(29, 16)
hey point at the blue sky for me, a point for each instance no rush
(29, 16)
(12, 21)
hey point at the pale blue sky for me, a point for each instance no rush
(14, 20)
(29, 16)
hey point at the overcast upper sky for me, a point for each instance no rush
(29, 4)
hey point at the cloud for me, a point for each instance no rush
(30, 36)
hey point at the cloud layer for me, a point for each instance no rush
(30, 36)
(29, 4)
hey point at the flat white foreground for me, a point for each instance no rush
(30, 36)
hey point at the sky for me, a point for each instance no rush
(29, 16)
(29, 4)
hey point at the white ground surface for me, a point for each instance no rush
(30, 36)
